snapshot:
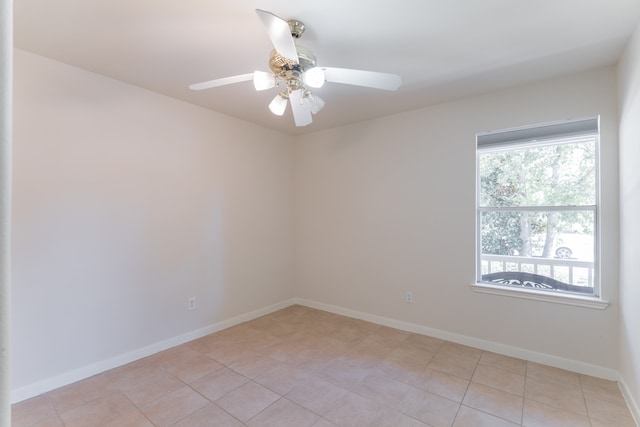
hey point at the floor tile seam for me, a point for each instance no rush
(493, 415)
(604, 419)
(546, 403)
(46, 395)
(376, 401)
(134, 407)
(278, 400)
(438, 394)
(558, 407)
(449, 373)
(101, 396)
(210, 403)
(478, 409)
(509, 371)
(141, 411)
(499, 389)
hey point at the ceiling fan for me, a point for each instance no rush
(294, 67)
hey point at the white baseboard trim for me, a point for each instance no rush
(520, 353)
(628, 397)
(39, 387)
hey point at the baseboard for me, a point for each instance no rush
(37, 388)
(520, 353)
(628, 397)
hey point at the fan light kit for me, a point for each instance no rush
(294, 67)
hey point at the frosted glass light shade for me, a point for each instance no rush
(315, 103)
(263, 80)
(278, 105)
(314, 77)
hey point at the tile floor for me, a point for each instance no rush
(304, 367)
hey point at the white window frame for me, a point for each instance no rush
(536, 135)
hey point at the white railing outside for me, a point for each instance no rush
(569, 271)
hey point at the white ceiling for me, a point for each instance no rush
(442, 49)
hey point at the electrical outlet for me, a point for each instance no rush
(408, 297)
(191, 303)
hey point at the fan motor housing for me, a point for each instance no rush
(279, 64)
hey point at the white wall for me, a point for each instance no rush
(387, 206)
(629, 84)
(126, 203)
(6, 97)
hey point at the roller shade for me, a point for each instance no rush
(556, 130)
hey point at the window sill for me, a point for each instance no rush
(567, 299)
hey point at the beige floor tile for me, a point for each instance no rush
(390, 418)
(347, 371)
(219, 383)
(344, 374)
(130, 419)
(495, 402)
(77, 394)
(499, 379)
(401, 370)
(324, 423)
(354, 411)
(366, 352)
(469, 417)
(442, 384)
(159, 386)
(410, 355)
(458, 366)
(540, 415)
(506, 363)
(459, 350)
(189, 365)
(611, 423)
(429, 408)
(317, 395)
(606, 411)
(381, 388)
(37, 411)
(352, 330)
(246, 401)
(284, 413)
(282, 379)
(389, 337)
(287, 351)
(131, 376)
(423, 342)
(174, 406)
(206, 344)
(99, 412)
(315, 361)
(600, 389)
(210, 415)
(252, 364)
(549, 373)
(563, 396)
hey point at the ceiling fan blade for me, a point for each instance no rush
(280, 34)
(362, 78)
(301, 110)
(221, 82)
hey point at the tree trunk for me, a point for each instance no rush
(552, 217)
(552, 222)
(525, 234)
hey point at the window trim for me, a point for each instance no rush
(542, 295)
(538, 135)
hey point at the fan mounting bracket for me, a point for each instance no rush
(297, 28)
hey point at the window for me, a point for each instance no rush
(537, 208)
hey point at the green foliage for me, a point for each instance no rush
(539, 176)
